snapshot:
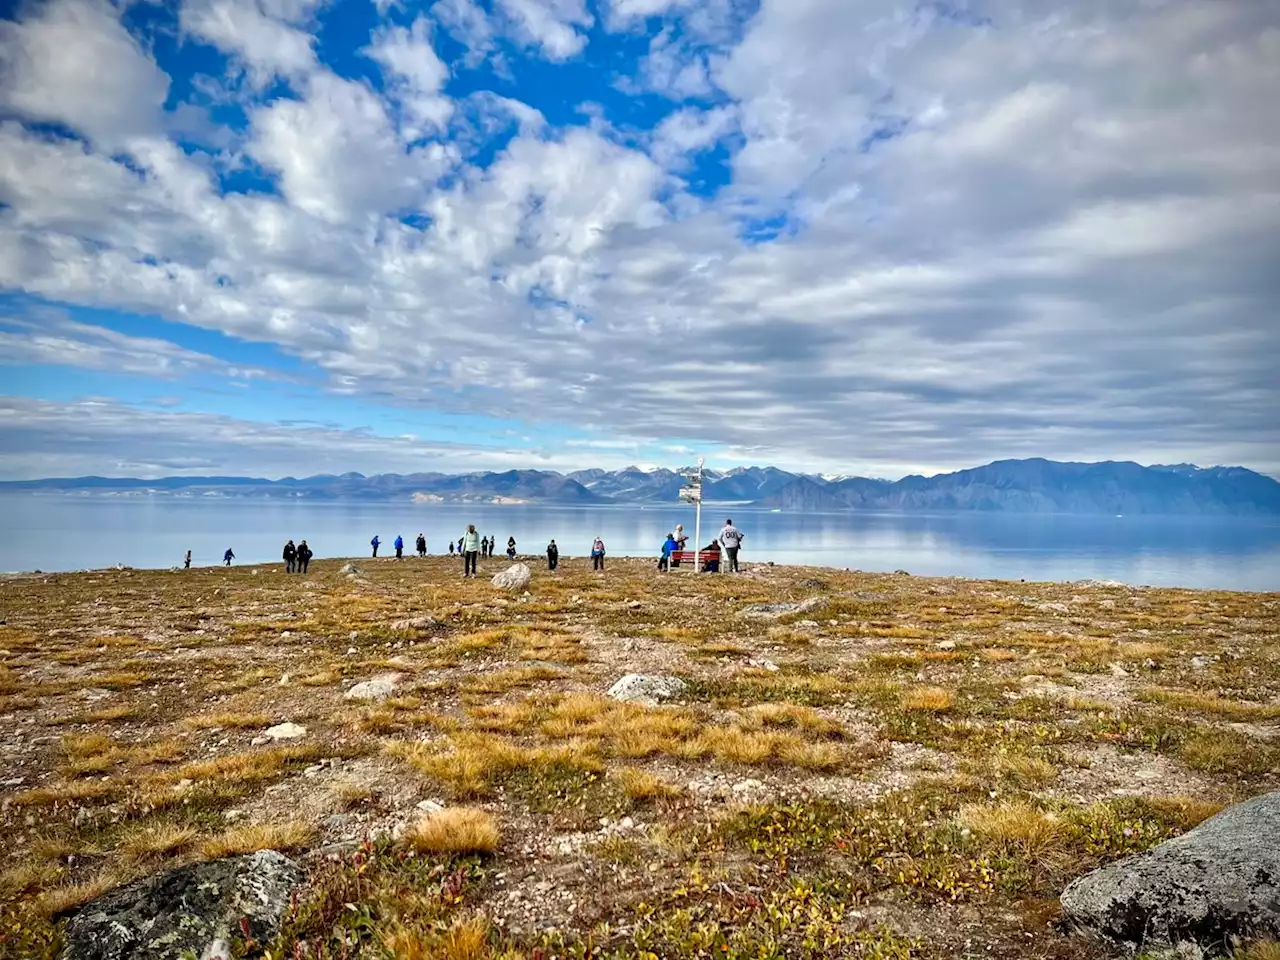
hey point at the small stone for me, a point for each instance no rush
(946, 644)
(1200, 663)
(1118, 671)
(638, 688)
(763, 664)
(349, 569)
(352, 651)
(430, 806)
(634, 605)
(284, 680)
(379, 688)
(259, 741)
(414, 623)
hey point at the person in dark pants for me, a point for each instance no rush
(553, 555)
(712, 564)
(668, 548)
(511, 548)
(422, 545)
(186, 561)
(290, 556)
(304, 556)
(375, 543)
(228, 557)
(731, 539)
(399, 544)
(470, 544)
(597, 554)
(484, 547)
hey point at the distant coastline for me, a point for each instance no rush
(1012, 486)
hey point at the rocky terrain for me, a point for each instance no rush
(785, 763)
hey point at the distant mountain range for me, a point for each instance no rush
(1016, 486)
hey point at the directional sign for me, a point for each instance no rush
(691, 494)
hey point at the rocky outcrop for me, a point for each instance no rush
(1214, 883)
(648, 690)
(414, 624)
(771, 611)
(515, 577)
(194, 910)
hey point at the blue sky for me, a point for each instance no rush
(280, 237)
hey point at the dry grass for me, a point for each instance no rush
(456, 830)
(1258, 950)
(928, 700)
(1016, 827)
(640, 786)
(63, 793)
(292, 835)
(156, 840)
(61, 900)
(252, 767)
(469, 763)
(227, 721)
(1211, 704)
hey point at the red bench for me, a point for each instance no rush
(704, 557)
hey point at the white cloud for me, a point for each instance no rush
(259, 33)
(688, 132)
(418, 75)
(71, 62)
(550, 25)
(468, 23)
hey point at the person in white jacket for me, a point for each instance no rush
(731, 539)
(470, 550)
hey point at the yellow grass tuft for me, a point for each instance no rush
(156, 840)
(455, 830)
(1016, 826)
(73, 792)
(227, 721)
(1258, 950)
(263, 836)
(60, 900)
(640, 785)
(928, 700)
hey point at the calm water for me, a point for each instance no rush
(67, 533)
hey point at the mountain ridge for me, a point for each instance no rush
(1034, 485)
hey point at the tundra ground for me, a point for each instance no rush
(860, 765)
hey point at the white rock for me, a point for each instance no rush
(414, 623)
(639, 688)
(763, 664)
(515, 577)
(379, 688)
(946, 644)
(430, 806)
(352, 650)
(259, 741)
(284, 679)
(285, 731)
(349, 568)
(217, 950)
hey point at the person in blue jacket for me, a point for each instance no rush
(668, 548)
(399, 545)
(228, 557)
(375, 543)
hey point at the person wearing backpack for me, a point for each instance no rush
(422, 545)
(668, 548)
(553, 555)
(597, 554)
(375, 543)
(304, 557)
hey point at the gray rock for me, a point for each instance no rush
(1217, 882)
(379, 688)
(414, 623)
(515, 577)
(196, 909)
(771, 611)
(350, 569)
(639, 688)
(285, 731)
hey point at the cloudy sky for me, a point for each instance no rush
(279, 237)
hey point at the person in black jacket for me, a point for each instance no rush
(290, 555)
(553, 555)
(422, 545)
(304, 556)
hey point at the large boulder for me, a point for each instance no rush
(648, 690)
(515, 577)
(194, 910)
(1216, 882)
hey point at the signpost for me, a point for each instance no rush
(693, 494)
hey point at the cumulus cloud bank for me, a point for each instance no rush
(880, 236)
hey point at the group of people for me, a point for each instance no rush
(724, 547)
(471, 546)
(295, 558)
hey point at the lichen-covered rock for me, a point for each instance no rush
(379, 688)
(414, 624)
(515, 577)
(194, 910)
(1218, 881)
(771, 611)
(639, 688)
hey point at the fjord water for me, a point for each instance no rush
(71, 533)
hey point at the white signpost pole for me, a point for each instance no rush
(697, 524)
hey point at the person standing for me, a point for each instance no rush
(511, 548)
(597, 554)
(451, 550)
(290, 556)
(553, 555)
(668, 547)
(399, 545)
(375, 543)
(186, 561)
(731, 539)
(228, 557)
(470, 542)
(422, 545)
(484, 547)
(304, 556)
(681, 538)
